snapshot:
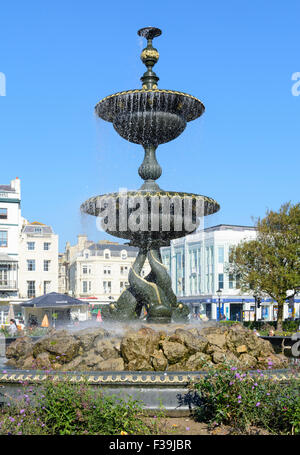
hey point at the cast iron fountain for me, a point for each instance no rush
(149, 217)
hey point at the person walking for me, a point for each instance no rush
(12, 327)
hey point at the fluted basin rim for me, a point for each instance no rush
(215, 207)
(171, 92)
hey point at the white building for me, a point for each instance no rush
(197, 265)
(38, 261)
(98, 271)
(10, 227)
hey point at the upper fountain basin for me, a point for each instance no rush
(149, 116)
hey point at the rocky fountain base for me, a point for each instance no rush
(171, 348)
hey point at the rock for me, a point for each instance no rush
(216, 339)
(198, 361)
(86, 338)
(22, 347)
(180, 366)
(232, 360)
(247, 361)
(219, 357)
(139, 345)
(92, 359)
(76, 364)
(173, 351)
(159, 361)
(272, 361)
(29, 363)
(111, 365)
(41, 361)
(106, 349)
(194, 332)
(241, 349)
(62, 344)
(193, 343)
(138, 365)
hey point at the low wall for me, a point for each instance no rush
(164, 391)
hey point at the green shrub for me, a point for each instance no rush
(287, 326)
(242, 400)
(63, 408)
(78, 409)
(229, 323)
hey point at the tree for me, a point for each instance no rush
(270, 264)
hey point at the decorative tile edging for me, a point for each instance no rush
(128, 378)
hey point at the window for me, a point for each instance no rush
(221, 281)
(124, 270)
(107, 287)
(3, 238)
(46, 265)
(47, 287)
(122, 286)
(30, 289)
(84, 286)
(47, 246)
(3, 214)
(221, 255)
(30, 246)
(38, 230)
(124, 254)
(31, 265)
(107, 254)
(238, 282)
(107, 270)
(84, 269)
(231, 280)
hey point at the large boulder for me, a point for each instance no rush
(198, 361)
(194, 343)
(22, 347)
(173, 351)
(111, 365)
(107, 349)
(139, 345)
(139, 365)
(159, 361)
(62, 346)
(87, 337)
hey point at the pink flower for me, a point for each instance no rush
(257, 404)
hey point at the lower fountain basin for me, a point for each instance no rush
(150, 216)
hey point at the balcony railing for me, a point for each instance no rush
(5, 284)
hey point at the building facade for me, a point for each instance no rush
(97, 271)
(197, 265)
(38, 261)
(10, 227)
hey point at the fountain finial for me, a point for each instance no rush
(149, 57)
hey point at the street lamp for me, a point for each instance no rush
(257, 299)
(219, 292)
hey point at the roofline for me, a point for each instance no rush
(232, 226)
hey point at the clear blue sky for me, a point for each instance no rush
(61, 57)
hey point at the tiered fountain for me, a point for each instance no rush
(149, 217)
